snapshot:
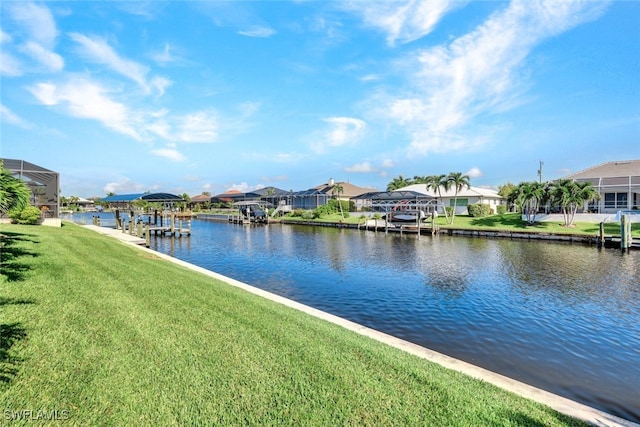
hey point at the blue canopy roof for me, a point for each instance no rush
(149, 197)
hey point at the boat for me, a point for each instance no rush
(403, 212)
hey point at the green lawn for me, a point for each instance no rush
(107, 334)
(506, 222)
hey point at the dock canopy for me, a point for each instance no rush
(384, 200)
(149, 197)
(126, 200)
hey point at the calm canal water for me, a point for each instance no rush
(565, 318)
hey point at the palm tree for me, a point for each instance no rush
(437, 183)
(570, 195)
(336, 191)
(529, 196)
(458, 181)
(14, 193)
(398, 182)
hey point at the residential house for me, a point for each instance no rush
(618, 184)
(321, 194)
(466, 196)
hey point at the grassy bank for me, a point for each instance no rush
(106, 334)
(506, 222)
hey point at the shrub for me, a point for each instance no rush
(479, 210)
(376, 216)
(308, 215)
(297, 212)
(30, 215)
(501, 209)
(449, 210)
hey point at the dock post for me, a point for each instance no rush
(147, 236)
(139, 228)
(624, 238)
(601, 235)
(173, 223)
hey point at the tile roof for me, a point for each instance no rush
(623, 168)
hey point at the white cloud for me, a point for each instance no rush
(10, 66)
(161, 83)
(477, 73)
(474, 173)
(165, 56)
(51, 60)
(258, 32)
(85, 99)
(388, 163)
(243, 187)
(404, 21)
(364, 167)
(123, 186)
(39, 34)
(341, 131)
(8, 116)
(169, 153)
(37, 21)
(98, 50)
(201, 126)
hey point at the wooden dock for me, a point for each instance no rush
(142, 225)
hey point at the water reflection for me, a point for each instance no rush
(563, 317)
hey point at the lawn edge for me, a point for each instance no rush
(558, 403)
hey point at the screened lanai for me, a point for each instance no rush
(43, 183)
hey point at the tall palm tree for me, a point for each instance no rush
(457, 181)
(529, 196)
(570, 196)
(336, 191)
(437, 183)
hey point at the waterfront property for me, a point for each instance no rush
(466, 196)
(618, 184)
(104, 334)
(522, 308)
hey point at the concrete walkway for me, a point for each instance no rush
(118, 234)
(559, 403)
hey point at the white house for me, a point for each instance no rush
(466, 196)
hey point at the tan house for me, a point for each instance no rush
(617, 182)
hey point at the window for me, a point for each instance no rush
(461, 202)
(615, 200)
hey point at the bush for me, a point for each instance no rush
(449, 210)
(479, 210)
(297, 212)
(29, 215)
(501, 209)
(308, 215)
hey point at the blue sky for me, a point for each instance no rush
(186, 96)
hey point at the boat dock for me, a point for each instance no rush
(140, 226)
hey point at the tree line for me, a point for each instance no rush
(527, 197)
(568, 195)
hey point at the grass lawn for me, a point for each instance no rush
(506, 222)
(106, 334)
